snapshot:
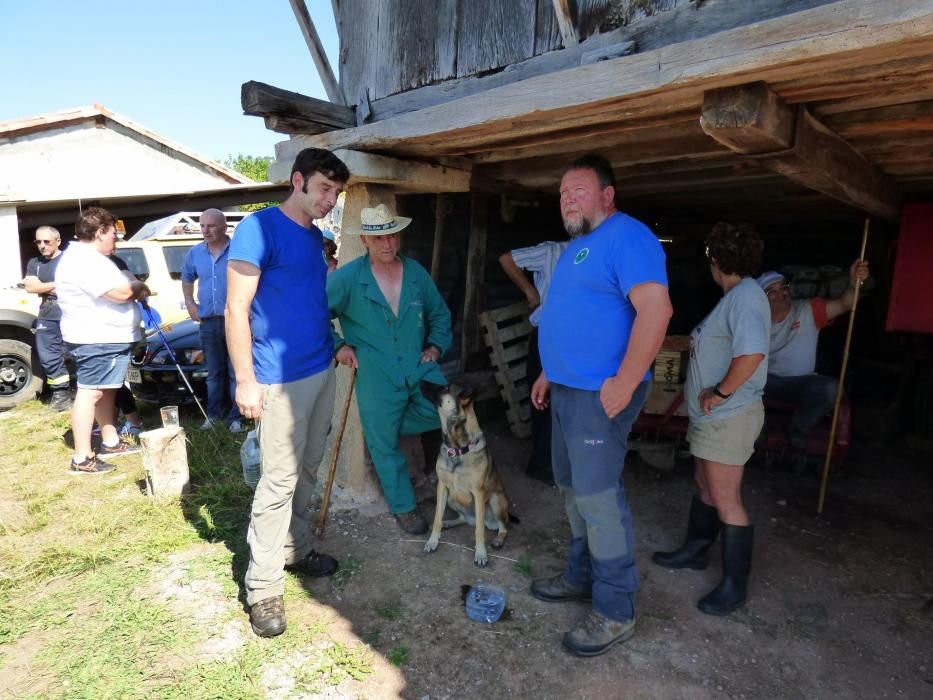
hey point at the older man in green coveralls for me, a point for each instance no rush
(395, 328)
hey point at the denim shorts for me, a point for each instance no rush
(101, 365)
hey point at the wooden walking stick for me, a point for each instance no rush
(335, 453)
(842, 376)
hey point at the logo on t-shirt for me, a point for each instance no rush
(581, 256)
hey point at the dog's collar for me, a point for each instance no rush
(469, 447)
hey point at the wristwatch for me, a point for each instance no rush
(720, 394)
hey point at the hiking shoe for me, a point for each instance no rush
(90, 465)
(208, 423)
(236, 426)
(596, 634)
(557, 589)
(412, 523)
(118, 450)
(60, 401)
(314, 564)
(131, 430)
(267, 617)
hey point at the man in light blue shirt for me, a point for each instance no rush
(207, 263)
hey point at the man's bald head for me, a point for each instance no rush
(213, 226)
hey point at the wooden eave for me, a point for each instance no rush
(862, 68)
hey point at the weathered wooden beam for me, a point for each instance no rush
(407, 175)
(290, 125)
(568, 32)
(752, 119)
(306, 24)
(615, 43)
(825, 162)
(683, 23)
(748, 118)
(262, 100)
(848, 32)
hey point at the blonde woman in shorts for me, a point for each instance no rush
(725, 380)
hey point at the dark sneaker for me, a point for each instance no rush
(412, 523)
(90, 465)
(60, 401)
(314, 564)
(557, 589)
(267, 617)
(118, 450)
(596, 634)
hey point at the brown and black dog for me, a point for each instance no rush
(466, 478)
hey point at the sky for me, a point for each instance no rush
(173, 66)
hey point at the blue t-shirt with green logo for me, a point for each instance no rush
(586, 323)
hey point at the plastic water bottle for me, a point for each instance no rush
(485, 603)
(249, 458)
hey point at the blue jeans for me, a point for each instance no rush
(220, 377)
(813, 396)
(588, 452)
(100, 365)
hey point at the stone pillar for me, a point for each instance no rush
(10, 272)
(355, 483)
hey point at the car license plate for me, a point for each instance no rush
(133, 376)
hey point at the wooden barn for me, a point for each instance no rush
(800, 116)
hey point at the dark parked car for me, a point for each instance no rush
(153, 376)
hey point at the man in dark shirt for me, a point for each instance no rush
(40, 279)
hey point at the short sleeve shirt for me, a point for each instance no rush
(738, 325)
(793, 340)
(289, 316)
(211, 273)
(586, 323)
(540, 260)
(82, 278)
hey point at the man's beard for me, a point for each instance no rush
(582, 227)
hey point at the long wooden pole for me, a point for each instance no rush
(306, 24)
(335, 453)
(842, 376)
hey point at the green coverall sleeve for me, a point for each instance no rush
(338, 297)
(438, 317)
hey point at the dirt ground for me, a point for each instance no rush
(841, 605)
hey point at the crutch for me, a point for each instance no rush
(842, 376)
(335, 453)
(168, 349)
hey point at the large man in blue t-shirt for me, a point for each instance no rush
(278, 336)
(603, 324)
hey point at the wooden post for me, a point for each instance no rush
(306, 24)
(354, 483)
(474, 297)
(442, 207)
(165, 460)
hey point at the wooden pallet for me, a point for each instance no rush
(507, 332)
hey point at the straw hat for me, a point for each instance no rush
(378, 221)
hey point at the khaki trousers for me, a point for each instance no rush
(296, 419)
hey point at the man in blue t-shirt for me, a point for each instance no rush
(606, 315)
(278, 337)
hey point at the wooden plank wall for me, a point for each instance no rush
(389, 46)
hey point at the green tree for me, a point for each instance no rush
(255, 168)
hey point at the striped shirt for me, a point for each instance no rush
(540, 260)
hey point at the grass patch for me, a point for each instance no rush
(523, 566)
(389, 609)
(350, 566)
(398, 656)
(98, 572)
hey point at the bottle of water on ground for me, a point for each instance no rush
(485, 603)
(249, 458)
